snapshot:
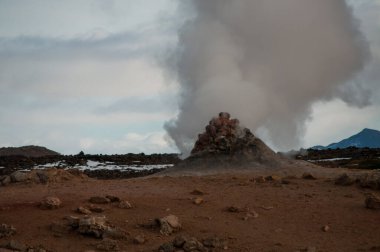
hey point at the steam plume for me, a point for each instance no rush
(264, 61)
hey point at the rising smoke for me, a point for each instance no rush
(264, 61)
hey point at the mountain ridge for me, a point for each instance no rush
(367, 138)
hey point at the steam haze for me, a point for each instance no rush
(266, 62)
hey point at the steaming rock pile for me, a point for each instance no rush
(227, 145)
(223, 135)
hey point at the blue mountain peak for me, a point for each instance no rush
(366, 138)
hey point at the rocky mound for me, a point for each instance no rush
(225, 144)
(27, 151)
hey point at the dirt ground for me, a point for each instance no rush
(290, 215)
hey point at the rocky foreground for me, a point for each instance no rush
(61, 211)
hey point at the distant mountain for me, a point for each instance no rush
(366, 138)
(27, 151)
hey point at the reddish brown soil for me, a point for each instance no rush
(300, 210)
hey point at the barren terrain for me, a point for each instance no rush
(292, 212)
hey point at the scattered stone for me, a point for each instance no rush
(273, 178)
(166, 247)
(234, 209)
(6, 230)
(93, 226)
(83, 210)
(125, 204)
(108, 245)
(42, 177)
(370, 181)
(372, 202)
(72, 221)
(260, 179)
(325, 228)
(16, 245)
(139, 239)
(214, 242)
(5, 180)
(19, 176)
(168, 224)
(197, 192)
(96, 209)
(114, 233)
(113, 198)
(307, 175)
(180, 240)
(99, 200)
(344, 180)
(198, 201)
(193, 244)
(50, 203)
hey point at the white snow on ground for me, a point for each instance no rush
(95, 165)
(327, 160)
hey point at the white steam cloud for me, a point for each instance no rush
(265, 62)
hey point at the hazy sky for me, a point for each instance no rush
(86, 75)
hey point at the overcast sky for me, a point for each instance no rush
(85, 75)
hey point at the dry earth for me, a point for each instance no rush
(291, 214)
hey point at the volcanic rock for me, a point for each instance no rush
(19, 176)
(124, 204)
(168, 224)
(99, 200)
(226, 145)
(5, 180)
(50, 203)
(344, 180)
(372, 202)
(6, 230)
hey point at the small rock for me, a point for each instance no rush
(166, 247)
(99, 200)
(16, 245)
(234, 209)
(307, 175)
(260, 179)
(113, 198)
(325, 228)
(344, 180)
(50, 203)
(198, 201)
(214, 242)
(19, 176)
(114, 233)
(193, 244)
(93, 226)
(96, 209)
(108, 245)
(72, 221)
(83, 210)
(42, 177)
(273, 178)
(5, 180)
(180, 240)
(6, 230)
(169, 224)
(372, 202)
(125, 204)
(139, 239)
(197, 192)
